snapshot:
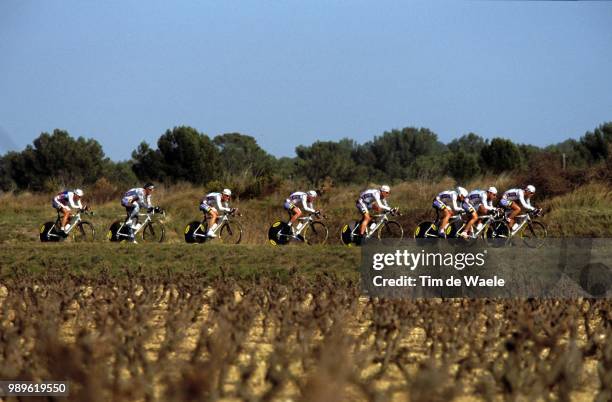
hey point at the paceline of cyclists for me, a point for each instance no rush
(470, 206)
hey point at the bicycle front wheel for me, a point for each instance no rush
(153, 232)
(84, 232)
(534, 234)
(391, 230)
(315, 233)
(231, 233)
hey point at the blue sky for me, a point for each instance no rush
(290, 72)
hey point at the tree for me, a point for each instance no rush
(240, 153)
(469, 143)
(327, 159)
(500, 155)
(463, 166)
(597, 142)
(148, 163)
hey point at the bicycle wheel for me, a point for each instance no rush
(153, 232)
(111, 234)
(49, 233)
(497, 234)
(279, 233)
(533, 234)
(84, 232)
(315, 233)
(426, 230)
(391, 230)
(195, 232)
(231, 233)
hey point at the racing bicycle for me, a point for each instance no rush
(79, 230)
(309, 230)
(227, 231)
(151, 230)
(531, 231)
(381, 227)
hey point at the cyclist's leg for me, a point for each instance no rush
(132, 217)
(473, 217)
(516, 209)
(212, 225)
(442, 209)
(365, 216)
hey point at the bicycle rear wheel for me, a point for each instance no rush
(315, 233)
(84, 232)
(153, 232)
(533, 234)
(231, 233)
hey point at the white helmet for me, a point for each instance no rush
(227, 191)
(492, 190)
(78, 192)
(312, 193)
(461, 191)
(530, 188)
(385, 189)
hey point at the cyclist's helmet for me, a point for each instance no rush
(530, 188)
(492, 190)
(78, 192)
(227, 191)
(312, 193)
(461, 191)
(385, 189)
(149, 186)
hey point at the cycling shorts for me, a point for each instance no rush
(361, 206)
(439, 205)
(207, 208)
(288, 205)
(505, 202)
(59, 206)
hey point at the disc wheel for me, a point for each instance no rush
(533, 234)
(497, 234)
(48, 233)
(153, 232)
(278, 233)
(111, 234)
(391, 230)
(194, 232)
(315, 233)
(84, 232)
(231, 233)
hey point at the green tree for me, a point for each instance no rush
(469, 143)
(327, 159)
(239, 153)
(597, 142)
(463, 166)
(500, 155)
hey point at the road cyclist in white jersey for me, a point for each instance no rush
(514, 199)
(132, 201)
(65, 202)
(482, 201)
(211, 204)
(372, 200)
(298, 201)
(451, 202)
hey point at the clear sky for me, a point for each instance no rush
(292, 72)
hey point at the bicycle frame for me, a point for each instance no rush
(379, 220)
(76, 219)
(147, 220)
(307, 221)
(221, 222)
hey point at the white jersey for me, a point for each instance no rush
(136, 195)
(518, 194)
(478, 198)
(66, 199)
(300, 197)
(214, 200)
(449, 198)
(371, 197)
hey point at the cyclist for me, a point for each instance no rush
(446, 204)
(375, 200)
(65, 200)
(292, 203)
(133, 200)
(482, 201)
(508, 201)
(211, 204)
